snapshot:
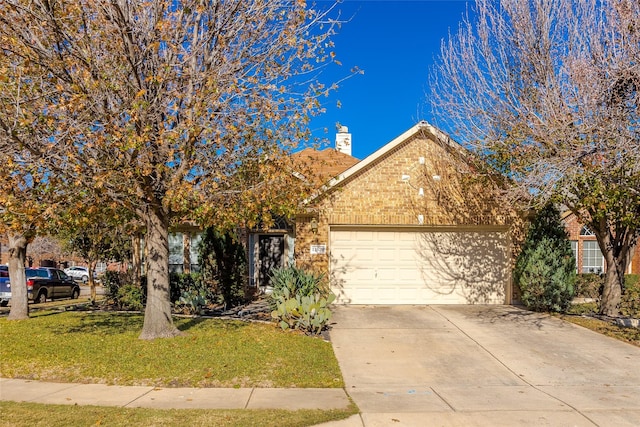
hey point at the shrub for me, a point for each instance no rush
(131, 297)
(223, 264)
(189, 292)
(589, 285)
(122, 293)
(189, 283)
(185, 290)
(630, 301)
(545, 269)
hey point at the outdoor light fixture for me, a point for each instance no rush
(314, 225)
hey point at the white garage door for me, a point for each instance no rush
(370, 266)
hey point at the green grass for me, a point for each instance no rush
(85, 347)
(35, 415)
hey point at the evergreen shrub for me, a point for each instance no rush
(545, 269)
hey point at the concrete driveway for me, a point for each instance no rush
(482, 366)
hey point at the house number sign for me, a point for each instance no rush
(318, 249)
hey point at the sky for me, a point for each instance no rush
(394, 42)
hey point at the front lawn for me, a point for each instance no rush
(98, 347)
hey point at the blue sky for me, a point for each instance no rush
(394, 42)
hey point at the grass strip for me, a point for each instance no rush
(36, 415)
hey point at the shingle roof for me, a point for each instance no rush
(320, 166)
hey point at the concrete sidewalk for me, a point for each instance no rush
(172, 398)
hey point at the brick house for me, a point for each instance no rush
(413, 223)
(589, 258)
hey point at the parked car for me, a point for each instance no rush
(79, 274)
(42, 283)
(5, 286)
(49, 283)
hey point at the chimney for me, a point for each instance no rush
(343, 140)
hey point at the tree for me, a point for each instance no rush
(546, 268)
(102, 234)
(548, 92)
(23, 213)
(172, 109)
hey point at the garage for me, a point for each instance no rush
(417, 265)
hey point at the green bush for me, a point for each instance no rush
(189, 283)
(630, 301)
(589, 285)
(545, 269)
(187, 291)
(223, 264)
(130, 297)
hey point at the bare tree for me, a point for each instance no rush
(548, 92)
(171, 109)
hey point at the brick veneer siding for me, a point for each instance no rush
(378, 196)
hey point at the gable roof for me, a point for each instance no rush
(419, 128)
(320, 166)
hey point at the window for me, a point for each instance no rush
(574, 249)
(592, 259)
(194, 249)
(586, 232)
(176, 253)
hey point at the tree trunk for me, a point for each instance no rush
(612, 292)
(158, 322)
(17, 256)
(617, 255)
(136, 257)
(92, 282)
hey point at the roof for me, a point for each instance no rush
(320, 166)
(417, 129)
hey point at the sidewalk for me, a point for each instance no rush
(172, 398)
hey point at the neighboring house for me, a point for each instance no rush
(589, 258)
(414, 223)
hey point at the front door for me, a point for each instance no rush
(270, 256)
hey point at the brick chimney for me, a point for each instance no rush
(343, 140)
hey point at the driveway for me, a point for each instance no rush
(482, 366)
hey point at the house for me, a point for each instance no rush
(589, 258)
(416, 222)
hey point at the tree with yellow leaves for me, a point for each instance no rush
(171, 109)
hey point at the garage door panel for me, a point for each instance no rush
(407, 267)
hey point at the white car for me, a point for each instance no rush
(79, 274)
